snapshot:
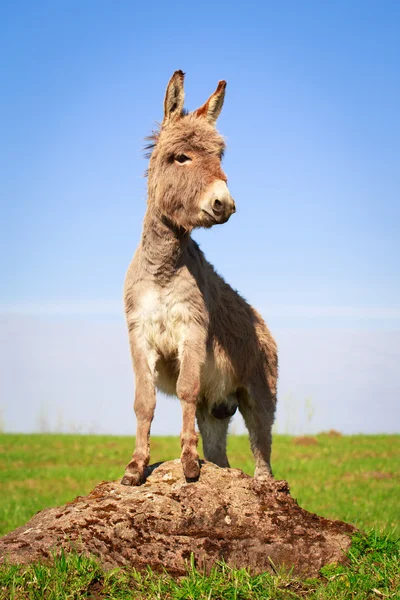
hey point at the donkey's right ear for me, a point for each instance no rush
(174, 98)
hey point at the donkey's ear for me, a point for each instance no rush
(174, 97)
(212, 108)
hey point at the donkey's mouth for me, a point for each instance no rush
(219, 221)
(210, 215)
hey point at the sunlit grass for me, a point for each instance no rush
(353, 478)
(372, 571)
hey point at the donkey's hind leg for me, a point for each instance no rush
(257, 406)
(213, 432)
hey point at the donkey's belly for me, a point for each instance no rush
(216, 383)
(217, 379)
(167, 371)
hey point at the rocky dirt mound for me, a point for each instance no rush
(224, 515)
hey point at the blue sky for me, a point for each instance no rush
(312, 124)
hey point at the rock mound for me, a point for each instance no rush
(225, 515)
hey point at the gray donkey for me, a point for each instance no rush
(192, 335)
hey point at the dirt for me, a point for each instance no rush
(224, 515)
(333, 433)
(305, 441)
(368, 475)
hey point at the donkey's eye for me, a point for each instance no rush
(182, 158)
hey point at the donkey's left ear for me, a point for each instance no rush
(212, 108)
(174, 98)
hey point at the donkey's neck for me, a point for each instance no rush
(163, 246)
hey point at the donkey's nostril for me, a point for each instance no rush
(217, 206)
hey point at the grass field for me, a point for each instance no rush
(353, 478)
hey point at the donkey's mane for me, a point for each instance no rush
(152, 139)
(151, 142)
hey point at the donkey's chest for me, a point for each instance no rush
(162, 322)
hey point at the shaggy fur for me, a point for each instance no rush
(190, 333)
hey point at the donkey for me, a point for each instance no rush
(192, 335)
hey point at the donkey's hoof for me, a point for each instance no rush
(191, 470)
(263, 474)
(132, 479)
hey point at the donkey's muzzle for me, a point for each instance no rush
(223, 209)
(218, 203)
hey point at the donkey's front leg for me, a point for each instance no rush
(145, 403)
(188, 389)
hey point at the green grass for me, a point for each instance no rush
(353, 478)
(372, 572)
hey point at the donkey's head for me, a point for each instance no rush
(186, 182)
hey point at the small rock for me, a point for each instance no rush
(169, 478)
